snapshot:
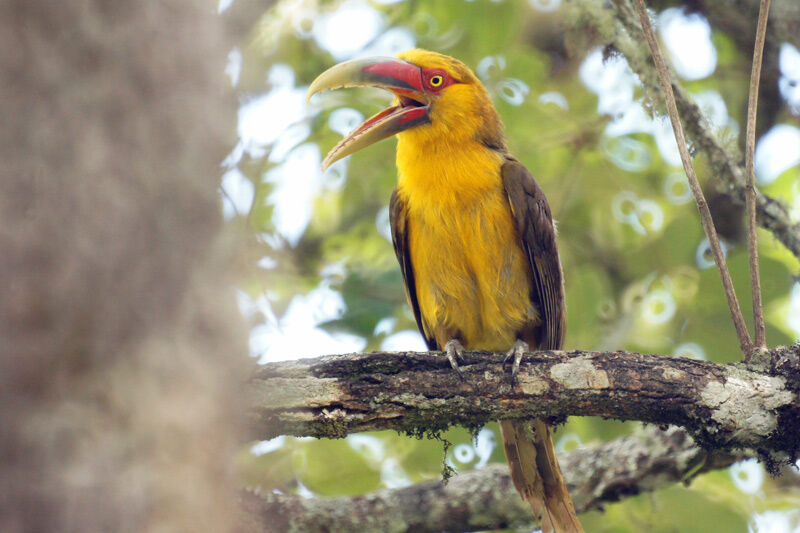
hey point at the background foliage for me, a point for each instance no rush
(319, 274)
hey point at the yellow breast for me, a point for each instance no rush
(472, 277)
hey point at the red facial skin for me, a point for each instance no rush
(429, 73)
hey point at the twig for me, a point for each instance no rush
(750, 190)
(694, 184)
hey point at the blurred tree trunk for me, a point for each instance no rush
(121, 348)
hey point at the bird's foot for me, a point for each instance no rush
(454, 351)
(517, 352)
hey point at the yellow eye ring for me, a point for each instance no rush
(436, 81)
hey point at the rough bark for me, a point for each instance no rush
(721, 406)
(485, 498)
(616, 24)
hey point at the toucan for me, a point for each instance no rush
(474, 236)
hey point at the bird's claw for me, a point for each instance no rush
(517, 352)
(454, 351)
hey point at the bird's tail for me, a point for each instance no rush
(536, 475)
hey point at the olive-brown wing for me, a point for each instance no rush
(537, 233)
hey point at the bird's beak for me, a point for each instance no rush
(399, 77)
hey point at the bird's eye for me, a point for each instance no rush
(436, 81)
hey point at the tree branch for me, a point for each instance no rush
(721, 406)
(616, 24)
(485, 498)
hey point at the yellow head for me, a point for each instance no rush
(438, 100)
(460, 109)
